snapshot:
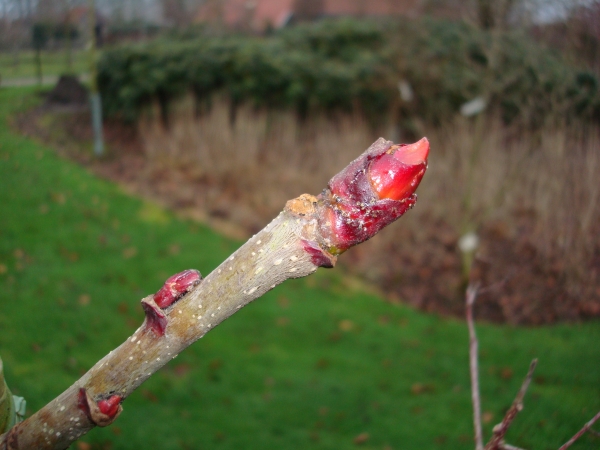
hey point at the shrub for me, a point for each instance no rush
(347, 64)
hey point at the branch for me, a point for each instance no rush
(373, 191)
(496, 442)
(593, 432)
(580, 433)
(7, 406)
(473, 365)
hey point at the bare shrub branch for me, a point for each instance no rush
(474, 365)
(581, 432)
(496, 442)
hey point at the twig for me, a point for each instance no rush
(473, 365)
(594, 432)
(496, 442)
(509, 447)
(585, 428)
(309, 233)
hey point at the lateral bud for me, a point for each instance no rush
(101, 413)
(176, 287)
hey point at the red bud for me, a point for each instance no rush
(373, 191)
(110, 406)
(176, 286)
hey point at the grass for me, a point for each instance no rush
(23, 65)
(312, 364)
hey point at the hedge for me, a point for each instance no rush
(337, 65)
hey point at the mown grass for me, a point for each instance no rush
(23, 63)
(312, 364)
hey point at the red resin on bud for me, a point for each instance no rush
(373, 191)
(176, 287)
(110, 406)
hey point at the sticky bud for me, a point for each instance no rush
(397, 173)
(176, 287)
(110, 406)
(372, 192)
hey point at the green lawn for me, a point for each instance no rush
(311, 365)
(23, 65)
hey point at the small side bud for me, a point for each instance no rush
(110, 406)
(176, 287)
(102, 413)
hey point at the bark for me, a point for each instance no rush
(7, 406)
(309, 233)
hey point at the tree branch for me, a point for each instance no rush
(593, 432)
(496, 442)
(373, 191)
(473, 365)
(580, 433)
(7, 406)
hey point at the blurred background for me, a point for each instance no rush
(226, 99)
(215, 112)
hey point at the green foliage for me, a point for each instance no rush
(42, 32)
(344, 64)
(312, 364)
(450, 63)
(324, 69)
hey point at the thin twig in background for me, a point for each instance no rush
(509, 447)
(580, 433)
(517, 405)
(473, 364)
(594, 432)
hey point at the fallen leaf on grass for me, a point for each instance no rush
(346, 325)
(149, 395)
(283, 302)
(282, 321)
(181, 369)
(487, 416)
(422, 388)
(129, 252)
(361, 438)
(322, 363)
